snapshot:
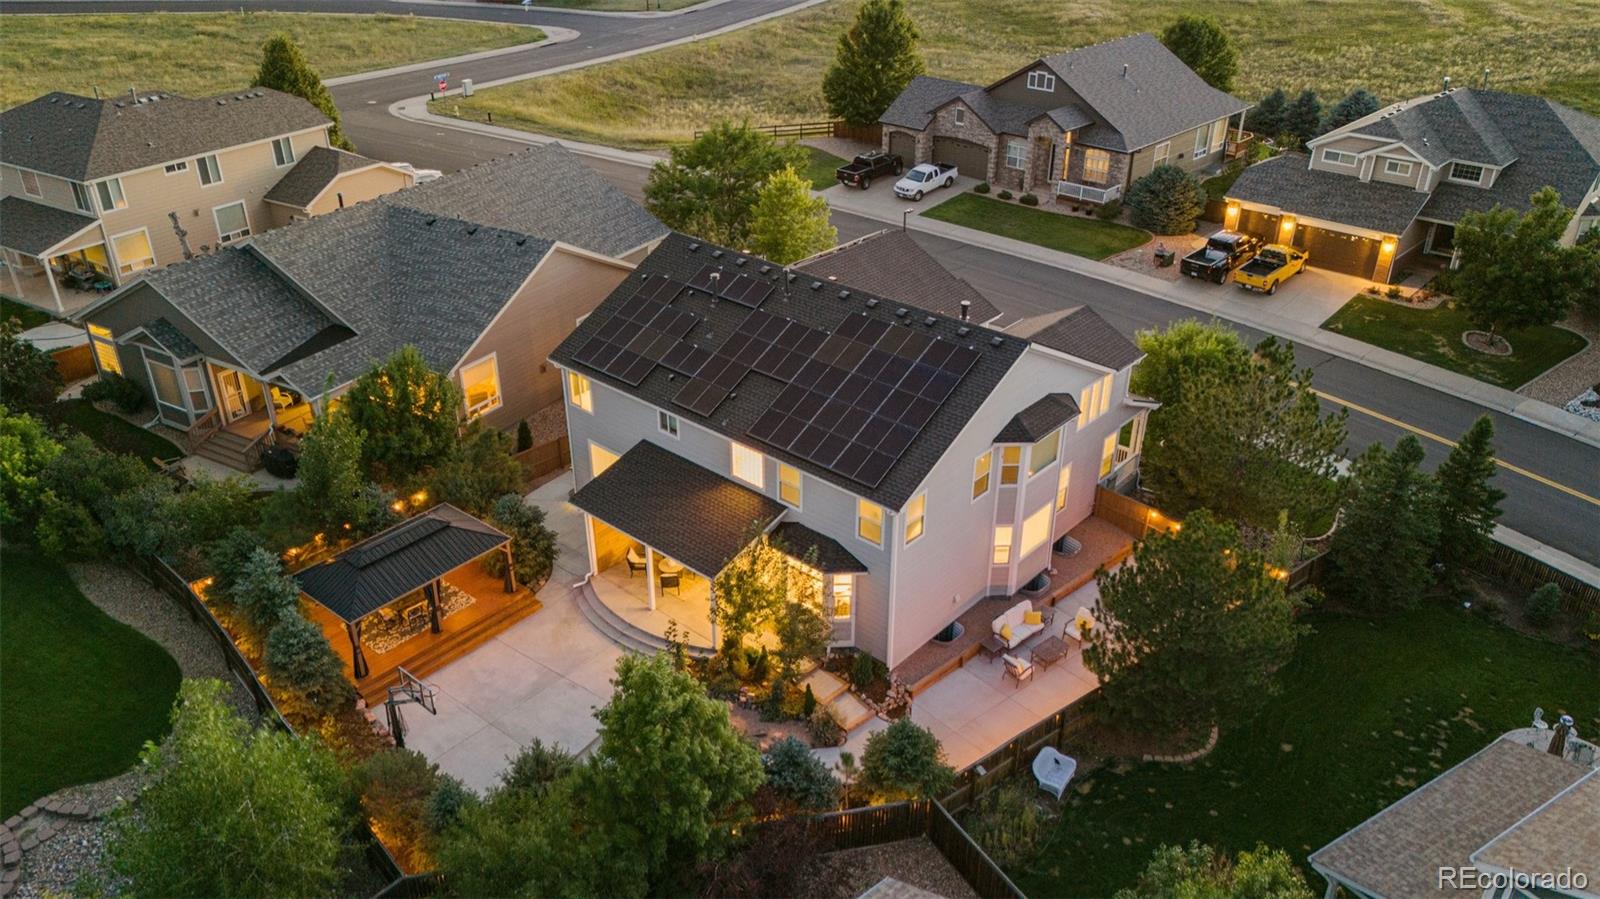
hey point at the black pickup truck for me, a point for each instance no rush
(861, 170)
(1223, 252)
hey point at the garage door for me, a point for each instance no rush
(971, 159)
(1259, 224)
(1337, 251)
(904, 145)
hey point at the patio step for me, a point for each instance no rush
(849, 711)
(226, 448)
(824, 684)
(620, 632)
(376, 689)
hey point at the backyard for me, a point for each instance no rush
(197, 53)
(1434, 336)
(115, 434)
(1086, 237)
(81, 692)
(29, 316)
(1371, 708)
(772, 73)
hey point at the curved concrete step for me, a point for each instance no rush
(622, 633)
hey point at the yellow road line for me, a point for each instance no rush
(1517, 469)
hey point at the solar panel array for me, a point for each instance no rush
(644, 330)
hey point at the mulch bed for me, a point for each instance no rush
(916, 861)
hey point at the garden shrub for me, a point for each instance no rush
(29, 379)
(533, 545)
(1004, 194)
(1544, 606)
(865, 670)
(1393, 292)
(981, 188)
(113, 388)
(449, 800)
(1010, 822)
(299, 659)
(78, 489)
(524, 436)
(799, 777)
(262, 593)
(478, 470)
(533, 770)
(26, 447)
(1167, 201)
(905, 761)
(394, 786)
(809, 705)
(825, 729)
(1029, 199)
(1108, 212)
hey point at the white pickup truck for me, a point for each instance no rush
(923, 178)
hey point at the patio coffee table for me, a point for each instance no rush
(1049, 651)
(993, 646)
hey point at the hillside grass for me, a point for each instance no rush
(198, 53)
(772, 72)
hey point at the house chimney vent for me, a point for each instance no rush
(1447, 84)
(1124, 70)
(966, 309)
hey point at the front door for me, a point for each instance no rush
(230, 386)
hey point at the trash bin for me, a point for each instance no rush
(1163, 257)
(466, 87)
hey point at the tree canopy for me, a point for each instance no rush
(1266, 118)
(1203, 46)
(285, 68)
(1303, 119)
(408, 415)
(788, 223)
(1468, 503)
(1380, 554)
(708, 187)
(1177, 356)
(332, 487)
(1514, 274)
(29, 379)
(1200, 872)
(905, 761)
(874, 62)
(1357, 103)
(1169, 200)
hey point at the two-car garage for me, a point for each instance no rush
(969, 158)
(1336, 251)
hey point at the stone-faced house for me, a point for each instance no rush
(1080, 125)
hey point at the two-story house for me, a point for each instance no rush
(1366, 196)
(1081, 125)
(920, 462)
(94, 191)
(245, 345)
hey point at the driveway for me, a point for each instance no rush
(879, 201)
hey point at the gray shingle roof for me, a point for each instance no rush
(1288, 183)
(545, 192)
(33, 228)
(1000, 116)
(821, 309)
(175, 341)
(889, 263)
(1442, 127)
(1158, 96)
(312, 175)
(397, 561)
(799, 541)
(678, 508)
(82, 138)
(1032, 424)
(915, 105)
(1080, 332)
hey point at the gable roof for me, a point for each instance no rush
(1032, 424)
(1439, 128)
(82, 138)
(1141, 92)
(313, 173)
(893, 265)
(1563, 832)
(914, 107)
(1081, 333)
(544, 191)
(1289, 183)
(799, 542)
(34, 228)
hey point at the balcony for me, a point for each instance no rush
(1086, 193)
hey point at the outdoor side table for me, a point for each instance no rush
(1049, 651)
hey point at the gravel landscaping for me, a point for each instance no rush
(915, 861)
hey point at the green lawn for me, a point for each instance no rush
(772, 72)
(80, 693)
(1217, 185)
(1070, 234)
(1370, 710)
(113, 433)
(28, 315)
(1434, 336)
(197, 53)
(821, 168)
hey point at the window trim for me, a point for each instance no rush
(1329, 154)
(178, 384)
(1000, 553)
(1063, 486)
(102, 194)
(664, 419)
(38, 189)
(174, 168)
(799, 486)
(986, 460)
(202, 168)
(1162, 153)
(755, 456)
(1482, 173)
(1202, 141)
(1054, 458)
(1390, 165)
(101, 340)
(1108, 454)
(83, 197)
(580, 398)
(499, 393)
(849, 579)
(917, 516)
(1041, 80)
(959, 115)
(117, 255)
(1100, 174)
(232, 236)
(862, 505)
(1016, 475)
(286, 158)
(1022, 156)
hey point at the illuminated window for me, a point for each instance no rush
(282, 152)
(869, 522)
(578, 392)
(111, 196)
(1036, 530)
(980, 474)
(1061, 486)
(1043, 453)
(1002, 544)
(105, 350)
(481, 382)
(1108, 455)
(600, 459)
(210, 171)
(844, 594)
(1096, 165)
(232, 223)
(1010, 464)
(133, 252)
(749, 466)
(789, 484)
(1093, 401)
(916, 517)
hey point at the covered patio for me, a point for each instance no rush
(414, 596)
(55, 258)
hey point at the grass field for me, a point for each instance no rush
(80, 693)
(197, 53)
(1434, 336)
(1086, 237)
(111, 432)
(1370, 710)
(772, 72)
(28, 315)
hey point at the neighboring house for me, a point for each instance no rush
(326, 179)
(891, 264)
(1082, 125)
(1394, 183)
(238, 343)
(1512, 810)
(928, 462)
(96, 191)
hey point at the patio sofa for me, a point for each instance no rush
(1016, 618)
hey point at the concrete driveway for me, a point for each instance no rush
(879, 201)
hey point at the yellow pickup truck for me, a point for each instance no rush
(1272, 266)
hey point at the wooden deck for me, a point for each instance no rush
(493, 611)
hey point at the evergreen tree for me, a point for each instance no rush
(479, 470)
(29, 379)
(1169, 200)
(533, 544)
(708, 187)
(299, 659)
(1303, 118)
(788, 223)
(1514, 273)
(1266, 119)
(285, 68)
(1379, 558)
(1468, 505)
(409, 417)
(1355, 104)
(263, 593)
(875, 61)
(1204, 47)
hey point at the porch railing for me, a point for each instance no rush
(1238, 143)
(201, 431)
(1072, 190)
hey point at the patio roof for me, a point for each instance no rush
(34, 228)
(798, 541)
(394, 562)
(680, 509)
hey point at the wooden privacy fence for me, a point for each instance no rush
(1129, 514)
(1523, 571)
(871, 134)
(877, 824)
(976, 780)
(545, 458)
(74, 362)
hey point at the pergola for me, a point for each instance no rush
(414, 554)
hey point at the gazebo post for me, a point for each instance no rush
(432, 592)
(712, 592)
(358, 661)
(650, 574)
(511, 574)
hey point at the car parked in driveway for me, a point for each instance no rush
(1271, 267)
(1222, 252)
(860, 171)
(923, 178)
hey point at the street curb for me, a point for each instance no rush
(1555, 558)
(598, 13)
(553, 35)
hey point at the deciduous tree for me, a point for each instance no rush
(788, 223)
(533, 544)
(1380, 554)
(408, 415)
(708, 187)
(1200, 872)
(29, 379)
(1468, 503)
(1177, 356)
(332, 489)
(26, 447)
(1514, 274)
(1192, 632)
(1203, 46)
(874, 62)
(478, 471)
(285, 68)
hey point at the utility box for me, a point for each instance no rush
(466, 87)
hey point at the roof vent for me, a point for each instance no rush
(816, 285)
(901, 312)
(966, 309)
(430, 222)
(694, 248)
(790, 276)
(844, 294)
(765, 269)
(1124, 70)
(930, 321)
(740, 261)
(522, 241)
(996, 340)
(872, 304)
(716, 254)
(963, 331)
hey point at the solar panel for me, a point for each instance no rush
(660, 289)
(702, 279)
(746, 291)
(686, 359)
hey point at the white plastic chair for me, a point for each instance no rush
(1054, 770)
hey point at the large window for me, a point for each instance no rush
(869, 522)
(1219, 133)
(1202, 142)
(1043, 453)
(1461, 171)
(133, 251)
(111, 196)
(105, 350)
(980, 474)
(600, 459)
(80, 197)
(480, 381)
(844, 594)
(1398, 167)
(1041, 81)
(916, 517)
(194, 379)
(1338, 157)
(282, 152)
(30, 183)
(164, 379)
(1108, 454)
(749, 466)
(1036, 529)
(1096, 165)
(1002, 544)
(789, 484)
(1016, 154)
(578, 391)
(210, 171)
(1010, 464)
(1093, 401)
(1062, 483)
(232, 223)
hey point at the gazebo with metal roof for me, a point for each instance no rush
(415, 554)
